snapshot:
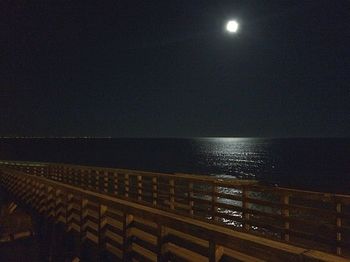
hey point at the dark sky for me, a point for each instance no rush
(168, 68)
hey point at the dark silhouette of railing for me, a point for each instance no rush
(69, 193)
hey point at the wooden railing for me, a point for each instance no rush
(123, 230)
(312, 220)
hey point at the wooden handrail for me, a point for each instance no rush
(279, 213)
(29, 165)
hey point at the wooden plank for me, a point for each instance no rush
(240, 256)
(189, 245)
(245, 215)
(144, 252)
(196, 240)
(117, 252)
(229, 196)
(142, 235)
(338, 226)
(313, 256)
(184, 253)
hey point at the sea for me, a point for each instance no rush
(316, 164)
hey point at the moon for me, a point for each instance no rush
(232, 26)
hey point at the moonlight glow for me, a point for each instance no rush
(232, 26)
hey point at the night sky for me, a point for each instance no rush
(169, 69)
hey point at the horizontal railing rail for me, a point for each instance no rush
(308, 219)
(132, 231)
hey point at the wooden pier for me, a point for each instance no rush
(132, 215)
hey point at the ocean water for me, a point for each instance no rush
(321, 164)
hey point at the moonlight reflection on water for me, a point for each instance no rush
(235, 157)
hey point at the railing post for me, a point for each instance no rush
(139, 187)
(47, 202)
(64, 175)
(97, 177)
(82, 224)
(172, 193)
(215, 252)
(190, 197)
(74, 177)
(58, 175)
(56, 193)
(71, 176)
(338, 228)
(48, 172)
(285, 216)
(115, 183)
(86, 174)
(126, 183)
(54, 170)
(154, 190)
(245, 214)
(54, 173)
(160, 241)
(213, 201)
(102, 222)
(68, 210)
(84, 203)
(105, 182)
(89, 186)
(82, 176)
(126, 225)
(78, 177)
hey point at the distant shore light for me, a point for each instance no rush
(232, 26)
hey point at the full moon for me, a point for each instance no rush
(232, 26)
